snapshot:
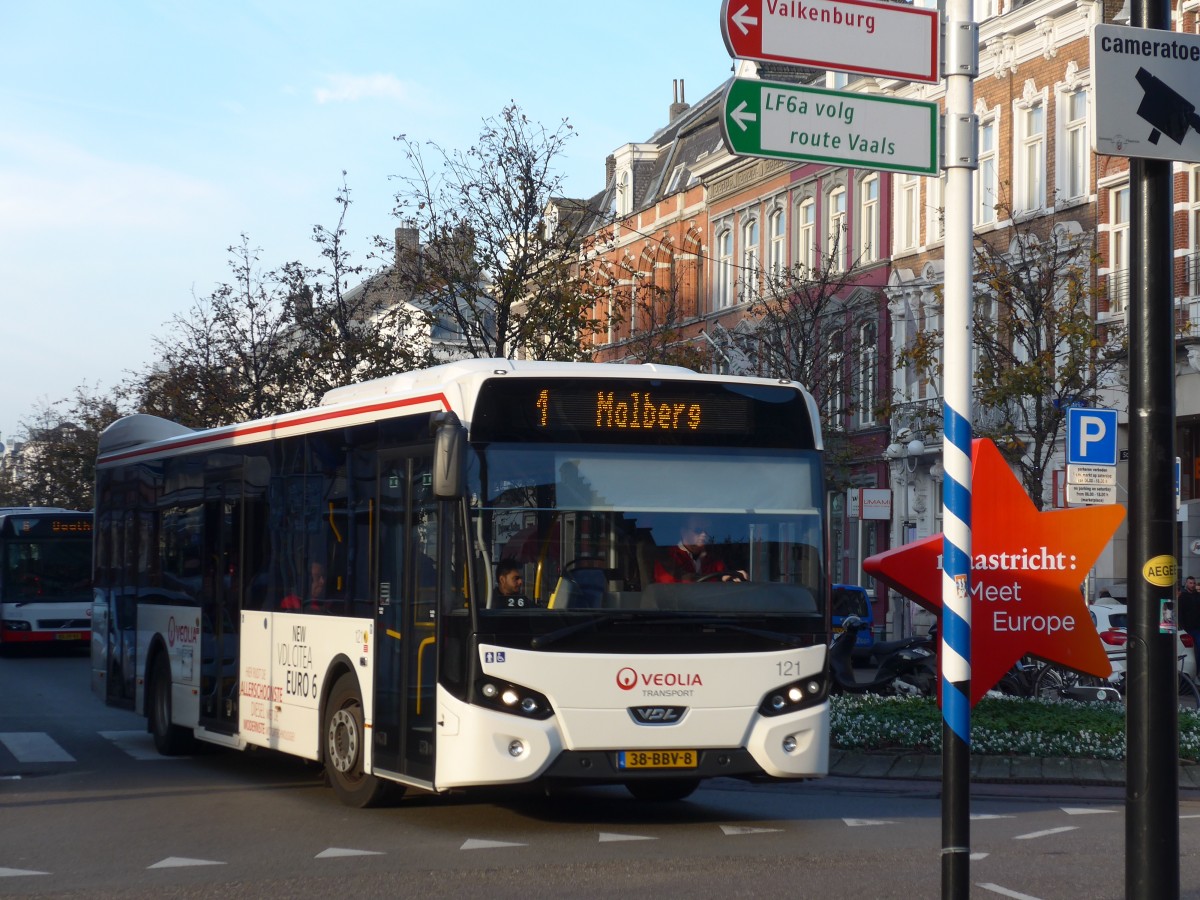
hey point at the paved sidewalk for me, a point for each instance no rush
(993, 769)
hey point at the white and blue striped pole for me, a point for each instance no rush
(961, 64)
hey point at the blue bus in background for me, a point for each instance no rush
(852, 600)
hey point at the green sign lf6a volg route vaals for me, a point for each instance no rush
(785, 121)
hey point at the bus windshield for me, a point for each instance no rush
(50, 570)
(651, 529)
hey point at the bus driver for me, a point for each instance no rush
(690, 560)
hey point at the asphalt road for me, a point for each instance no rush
(87, 809)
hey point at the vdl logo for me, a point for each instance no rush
(657, 715)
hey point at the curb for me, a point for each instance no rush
(994, 769)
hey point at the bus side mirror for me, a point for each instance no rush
(449, 456)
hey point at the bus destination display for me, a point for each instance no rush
(622, 410)
(641, 411)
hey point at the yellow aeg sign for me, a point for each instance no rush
(1163, 570)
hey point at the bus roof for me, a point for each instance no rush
(451, 386)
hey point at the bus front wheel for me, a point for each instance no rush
(345, 737)
(169, 739)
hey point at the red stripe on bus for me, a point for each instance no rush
(239, 431)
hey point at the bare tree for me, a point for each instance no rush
(351, 321)
(497, 269)
(1038, 346)
(230, 357)
(58, 458)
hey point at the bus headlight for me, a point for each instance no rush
(796, 695)
(512, 698)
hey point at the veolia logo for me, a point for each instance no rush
(627, 679)
(1162, 570)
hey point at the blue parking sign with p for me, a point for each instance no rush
(1091, 436)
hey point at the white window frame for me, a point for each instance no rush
(751, 254)
(1029, 150)
(836, 234)
(908, 212)
(723, 277)
(935, 208)
(1118, 249)
(777, 227)
(624, 191)
(806, 233)
(1193, 267)
(987, 174)
(868, 372)
(869, 232)
(1072, 149)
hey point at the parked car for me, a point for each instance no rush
(852, 600)
(1112, 622)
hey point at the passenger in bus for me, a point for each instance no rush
(315, 601)
(510, 585)
(691, 559)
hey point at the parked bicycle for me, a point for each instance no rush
(1056, 682)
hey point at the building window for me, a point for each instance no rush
(835, 391)
(724, 279)
(750, 257)
(778, 252)
(624, 193)
(1030, 157)
(868, 219)
(1194, 231)
(806, 230)
(1073, 172)
(868, 364)
(908, 212)
(836, 237)
(935, 208)
(1118, 249)
(985, 175)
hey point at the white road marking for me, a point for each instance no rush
(975, 857)
(335, 852)
(855, 823)
(1046, 833)
(1005, 892)
(138, 744)
(746, 829)
(473, 844)
(13, 873)
(608, 837)
(180, 862)
(34, 747)
(1085, 811)
(975, 817)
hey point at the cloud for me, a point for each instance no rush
(49, 184)
(343, 88)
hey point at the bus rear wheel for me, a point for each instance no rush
(662, 790)
(345, 737)
(169, 739)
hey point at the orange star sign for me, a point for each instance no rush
(1026, 571)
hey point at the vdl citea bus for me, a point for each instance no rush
(45, 576)
(323, 583)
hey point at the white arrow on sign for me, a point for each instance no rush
(741, 19)
(740, 115)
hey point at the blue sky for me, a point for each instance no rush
(140, 139)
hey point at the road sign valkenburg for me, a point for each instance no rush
(867, 131)
(885, 39)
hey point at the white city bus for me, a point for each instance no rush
(45, 576)
(323, 583)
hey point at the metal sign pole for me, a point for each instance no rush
(1152, 759)
(961, 67)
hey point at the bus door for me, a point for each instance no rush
(406, 625)
(219, 599)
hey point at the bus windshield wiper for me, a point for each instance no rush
(779, 637)
(553, 637)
